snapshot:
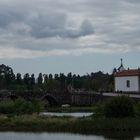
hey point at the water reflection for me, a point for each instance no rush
(125, 135)
(73, 114)
(57, 136)
(48, 136)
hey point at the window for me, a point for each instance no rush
(128, 83)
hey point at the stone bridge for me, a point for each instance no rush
(90, 98)
(59, 98)
(53, 98)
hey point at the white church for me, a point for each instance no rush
(127, 80)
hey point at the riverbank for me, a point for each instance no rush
(89, 125)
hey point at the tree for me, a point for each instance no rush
(62, 81)
(32, 80)
(27, 79)
(114, 71)
(69, 79)
(18, 79)
(7, 76)
(45, 78)
(50, 76)
(40, 79)
(56, 77)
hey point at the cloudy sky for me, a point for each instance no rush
(81, 36)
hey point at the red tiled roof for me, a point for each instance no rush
(132, 72)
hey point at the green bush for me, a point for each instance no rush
(137, 109)
(20, 106)
(120, 106)
(6, 107)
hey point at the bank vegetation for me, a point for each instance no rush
(117, 114)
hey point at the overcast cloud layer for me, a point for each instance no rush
(39, 28)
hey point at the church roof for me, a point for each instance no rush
(121, 68)
(131, 72)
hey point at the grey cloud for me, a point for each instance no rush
(42, 25)
(49, 24)
(7, 17)
(54, 25)
(86, 28)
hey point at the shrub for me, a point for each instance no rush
(137, 108)
(120, 106)
(6, 107)
(23, 107)
(20, 106)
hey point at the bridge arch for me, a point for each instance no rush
(50, 100)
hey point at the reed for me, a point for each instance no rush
(68, 124)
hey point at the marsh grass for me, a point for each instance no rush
(85, 125)
(68, 124)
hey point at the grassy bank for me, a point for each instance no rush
(117, 115)
(68, 124)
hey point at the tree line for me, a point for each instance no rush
(48, 82)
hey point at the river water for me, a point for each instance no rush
(55, 136)
(72, 114)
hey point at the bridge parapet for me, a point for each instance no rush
(85, 98)
(74, 98)
(60, 97)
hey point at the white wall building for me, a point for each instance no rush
(127, 80)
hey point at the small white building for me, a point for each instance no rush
(127, 80)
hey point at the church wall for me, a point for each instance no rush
(121, 84)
